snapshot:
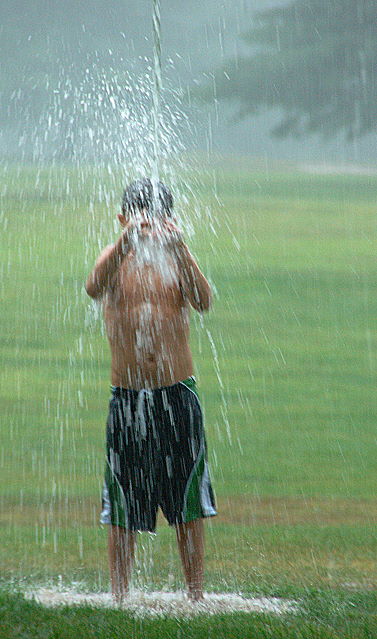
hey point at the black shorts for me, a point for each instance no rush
(156, 457)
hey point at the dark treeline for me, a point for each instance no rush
(303, 66)
(316, 61)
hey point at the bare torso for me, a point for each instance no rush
(147, 322)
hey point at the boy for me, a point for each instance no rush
(156, 449)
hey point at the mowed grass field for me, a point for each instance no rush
(286, 364)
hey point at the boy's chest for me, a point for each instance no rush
(136, 284)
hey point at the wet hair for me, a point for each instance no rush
(139, 196)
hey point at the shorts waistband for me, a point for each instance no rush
(120, 391)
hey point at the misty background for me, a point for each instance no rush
(49, 49)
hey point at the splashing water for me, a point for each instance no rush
(142, 603)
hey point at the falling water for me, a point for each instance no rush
(156, 94)
(101, 128)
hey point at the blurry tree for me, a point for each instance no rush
(315, 61)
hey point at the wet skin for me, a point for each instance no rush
(147, 282)
(146, 304)
(147, 326)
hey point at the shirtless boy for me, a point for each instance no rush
(156, 449)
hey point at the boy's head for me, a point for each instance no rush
(139, 197)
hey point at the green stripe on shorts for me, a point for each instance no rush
(192, 505)
(116, 496)
(190, 382)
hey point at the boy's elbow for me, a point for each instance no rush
(208, 299)
(204, 304)
(91, 289)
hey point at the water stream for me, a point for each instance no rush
(156, 94)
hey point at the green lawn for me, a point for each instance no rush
(286, 363)
(324, 615)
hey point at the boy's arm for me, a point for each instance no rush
(194, 284)
(106, 266)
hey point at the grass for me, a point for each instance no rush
(324, 615)
(291, 426)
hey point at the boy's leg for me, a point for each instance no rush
(190, 539)
(121, 557)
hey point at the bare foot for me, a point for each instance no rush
(195, 596)
(118, 598)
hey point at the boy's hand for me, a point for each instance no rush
(127, 229)
(123, 245)
(173, 233)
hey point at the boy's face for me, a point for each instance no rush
(142, 217)
(142, 220)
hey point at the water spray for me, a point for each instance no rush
(156, 99)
